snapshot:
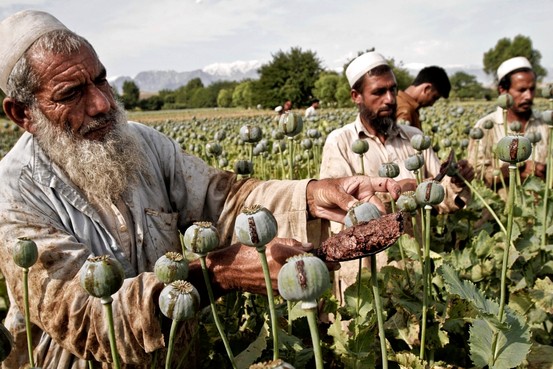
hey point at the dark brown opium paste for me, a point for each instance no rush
(364, 239)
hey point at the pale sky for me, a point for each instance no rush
(184, 35)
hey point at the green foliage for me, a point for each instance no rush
(243, 94)
(506, 48)
(325, 88)
(466, 86)
(290, 75)
(403, 77)
(131, 94)
(224, 99)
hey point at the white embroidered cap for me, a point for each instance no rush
(512, 64)
(17, 34)
(362, 64)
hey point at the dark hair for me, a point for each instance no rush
(505, 82)
(376, 71)
(435, 76)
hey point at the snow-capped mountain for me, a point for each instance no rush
(154, 81)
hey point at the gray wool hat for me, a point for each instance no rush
(17, 33)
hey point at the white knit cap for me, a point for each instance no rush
(512, 64)
(362, 64)
(17, 34)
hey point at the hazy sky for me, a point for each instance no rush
(183, 35)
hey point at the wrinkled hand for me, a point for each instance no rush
(529, 167)
(238, 267)
(465, 170)
(331, 198)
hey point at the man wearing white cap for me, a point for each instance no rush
(517, 79)
(373, 90)
(82, 181)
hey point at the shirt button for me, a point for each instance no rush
(123, 228)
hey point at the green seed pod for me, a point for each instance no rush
(547, 117)
(464, 143)
(533, 136)
(360, 146)
(201, 238)
(429, 193)
(220, 135)
(6, 342)
(361, 212)
(179, 301)
(513, 149)
(407, 202)
(515, 126)
(291, 124)
(213, 148)
(313, 133)
(171, 267)
(255, 226)
(476, 133)
(388, 170)
(243, 167)
(421, 142)
(250, 134)
(273, 364)
(102, 276)
(446, 142)
(487, 124)
(414, 162)
(505, 101)
(303, 278)
(277, 134)
(25, 252)
(306, 144)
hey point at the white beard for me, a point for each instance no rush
(103, 170)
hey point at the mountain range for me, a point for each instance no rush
(156, 80)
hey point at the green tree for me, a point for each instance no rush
(466, 86)
(290, 75)
(154, 102)
(326, 86)
(403, 77)
(243, 94)
(224, 99)
(506, 48)
(131, 94)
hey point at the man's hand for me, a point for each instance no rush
(464, 170)
(331, 198)
(532, 167)
(238, 267)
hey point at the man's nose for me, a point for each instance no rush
(98, 101)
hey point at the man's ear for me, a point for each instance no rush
(356, 97)
(19, 113)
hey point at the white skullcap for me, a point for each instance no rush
(17, 34)
(278, 109)
(362, 64)
(512, 64)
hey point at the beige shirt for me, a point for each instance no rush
(481, 154)
(339, 160)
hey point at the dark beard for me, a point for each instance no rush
(382, 125)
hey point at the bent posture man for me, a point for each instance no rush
(428, 87)
(81, 181)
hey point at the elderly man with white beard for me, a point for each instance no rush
(81, 181)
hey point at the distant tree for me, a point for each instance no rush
(224, 99)
(343, 93)
(2, 96)
(243, 94)
(466, 86)
(506, 48)
(403, 77)
(290, 75)
(131, 94)
(202, 98)
(326, 86)
(154, 102)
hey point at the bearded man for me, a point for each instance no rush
(373, 90)
(83, 182)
